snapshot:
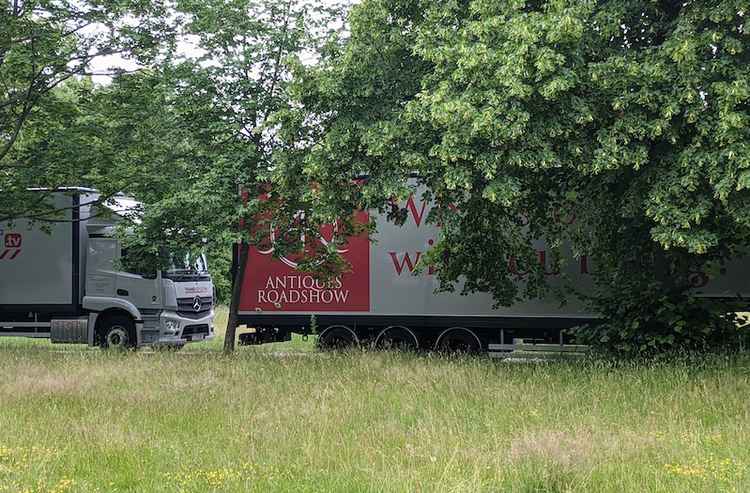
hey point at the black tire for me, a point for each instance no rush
(398, 338)
(117, 332)
(337, 337)
(458, 340)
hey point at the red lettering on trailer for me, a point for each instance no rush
(412, 206)
(542, 256)
(12, 249)
(399, 265)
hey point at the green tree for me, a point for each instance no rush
(631, 116)
(188, 135)
(43, 44)
(249, 48)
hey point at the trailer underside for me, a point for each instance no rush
(463, 333)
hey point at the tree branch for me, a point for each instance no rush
(17, 129)
(277, 60)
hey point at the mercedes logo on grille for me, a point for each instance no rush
(197, 304)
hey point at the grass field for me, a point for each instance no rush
(286, 418)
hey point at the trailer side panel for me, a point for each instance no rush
(41, 268)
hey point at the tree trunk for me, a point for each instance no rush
(239, 276)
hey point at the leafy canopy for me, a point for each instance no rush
(43, 45)
(183, 133)
(630, 116)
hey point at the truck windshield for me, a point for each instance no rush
(182, 266)
(186, 268)
(191, 263)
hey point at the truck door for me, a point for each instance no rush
(100, 266)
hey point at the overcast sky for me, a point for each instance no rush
(187, 46)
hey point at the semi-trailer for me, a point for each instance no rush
(64, 280)
(385, 300)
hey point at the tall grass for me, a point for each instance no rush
(286, 418)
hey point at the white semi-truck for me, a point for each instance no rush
(64, 280)
(385, 300)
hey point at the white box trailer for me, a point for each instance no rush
(61, 280)
(383, 301)
(29, 254)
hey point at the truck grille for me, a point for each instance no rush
(186, 306)
(192, 330)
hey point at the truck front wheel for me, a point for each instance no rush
(117, 332)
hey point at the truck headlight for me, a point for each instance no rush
(171, 325)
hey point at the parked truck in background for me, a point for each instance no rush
(64, 281)
(386, 301)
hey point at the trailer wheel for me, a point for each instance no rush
(397, 337)
(117, 332)
(458, 340)
(337, 337)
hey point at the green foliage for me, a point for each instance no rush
(183, 135)
(629, 116)
(204, 123)
(44, 45)
(641, 319)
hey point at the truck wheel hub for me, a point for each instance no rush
(117, 337)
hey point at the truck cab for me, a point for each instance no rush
(169, 306)
(79, 284)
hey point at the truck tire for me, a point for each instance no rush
(337, 337)
(397, 337)
(458, 340)
(117, 332)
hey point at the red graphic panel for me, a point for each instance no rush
(273, 284)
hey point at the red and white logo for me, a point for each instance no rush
(13, 242)
(273, 284)
(327, 237)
